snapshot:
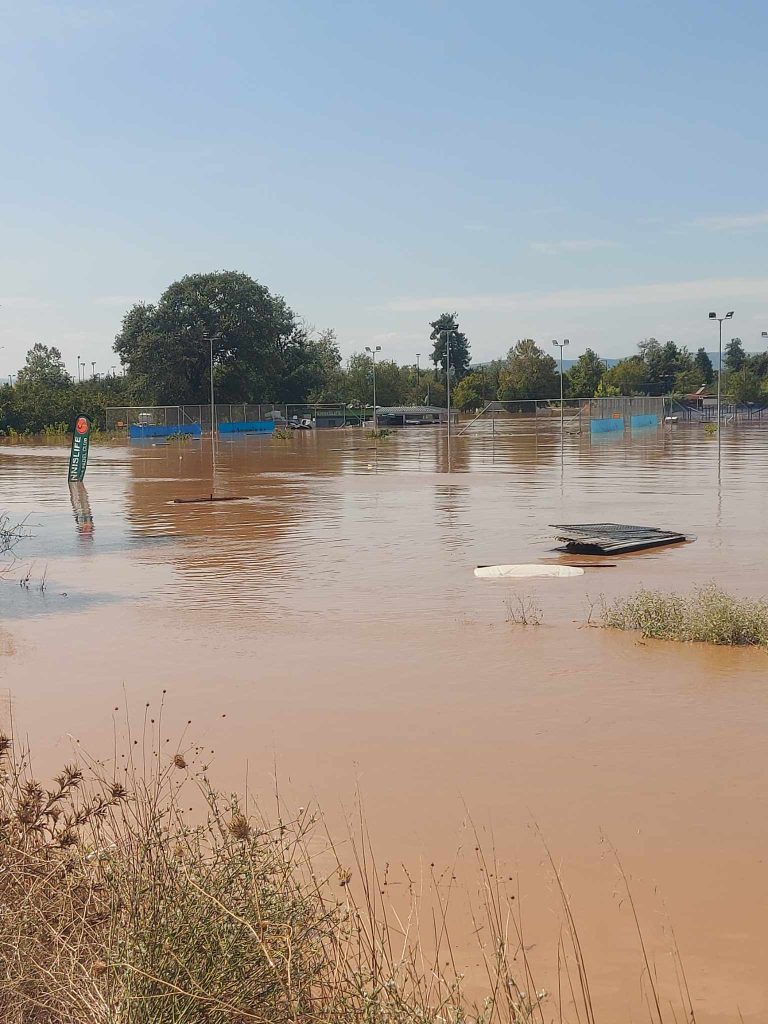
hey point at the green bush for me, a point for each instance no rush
(707, 615)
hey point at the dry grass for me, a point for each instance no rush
(123, 905)
(523, 610)
(707, 615)
(117, 910)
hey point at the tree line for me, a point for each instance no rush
(263, 352)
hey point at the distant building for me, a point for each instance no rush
(411, 415)
(698, 398)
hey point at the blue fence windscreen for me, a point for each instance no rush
(248, 427)
(643, 421)
(606, 426)
(139, 430)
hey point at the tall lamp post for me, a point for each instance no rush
(448, 331)
(373, 352)
(561, 345)
(418, 375)
(714, 316)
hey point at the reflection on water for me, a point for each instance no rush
(82, 510)
(334, 616)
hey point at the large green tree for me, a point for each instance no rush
(321, 371)
(664, 364)
(704, 366)
(735, 356)
(471, 391)
(627, 377)
(528, 373)
(743, 386)
(45, 367)
(391, 381)
(585, 375)
(259, 349)
(460, 356)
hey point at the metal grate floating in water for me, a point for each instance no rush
(612, 538)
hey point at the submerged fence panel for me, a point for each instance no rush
(649, 420)
(606, 426)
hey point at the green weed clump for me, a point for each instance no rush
(379, 434)
(707, 615)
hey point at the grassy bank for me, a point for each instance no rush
(707, 615)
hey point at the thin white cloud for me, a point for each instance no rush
(737, 222)
(572, 245)
(705, 291)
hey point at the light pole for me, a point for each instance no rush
(93, 368)
(418, 357)
(373, 352)
(714, 316)
(561, 345)
(448, 331)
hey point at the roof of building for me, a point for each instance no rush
(408, 410)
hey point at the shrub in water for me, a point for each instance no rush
(707, 615)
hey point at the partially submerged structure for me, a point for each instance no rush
(411, 415)
(612, 538)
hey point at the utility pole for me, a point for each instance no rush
(714, 316)
(373, 352)
(448, 331)
(561, 345)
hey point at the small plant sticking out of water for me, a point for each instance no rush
(710, 429)
(707, 615)
(281, 435)
(523, 610)
(379, 434)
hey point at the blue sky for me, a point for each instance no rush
(592, 170)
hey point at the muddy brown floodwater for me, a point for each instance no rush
(334, 619)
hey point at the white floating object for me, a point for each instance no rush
(522, 572)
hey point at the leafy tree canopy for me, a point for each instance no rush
(735, 356)
(743, 386)
(663, 365)
(627, 377)
(460, 356)
(585, 375)
(704, 366)
(259, 348)
(44, 367)
(528, 373)
(470, 392)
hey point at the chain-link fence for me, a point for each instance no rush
(181, 416)
(595, 414)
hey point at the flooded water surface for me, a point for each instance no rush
(328, 625)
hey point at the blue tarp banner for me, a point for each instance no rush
(248, 427)
(606, 426)
(643, 421)
(137, 430)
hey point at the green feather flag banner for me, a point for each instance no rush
(78, 456)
